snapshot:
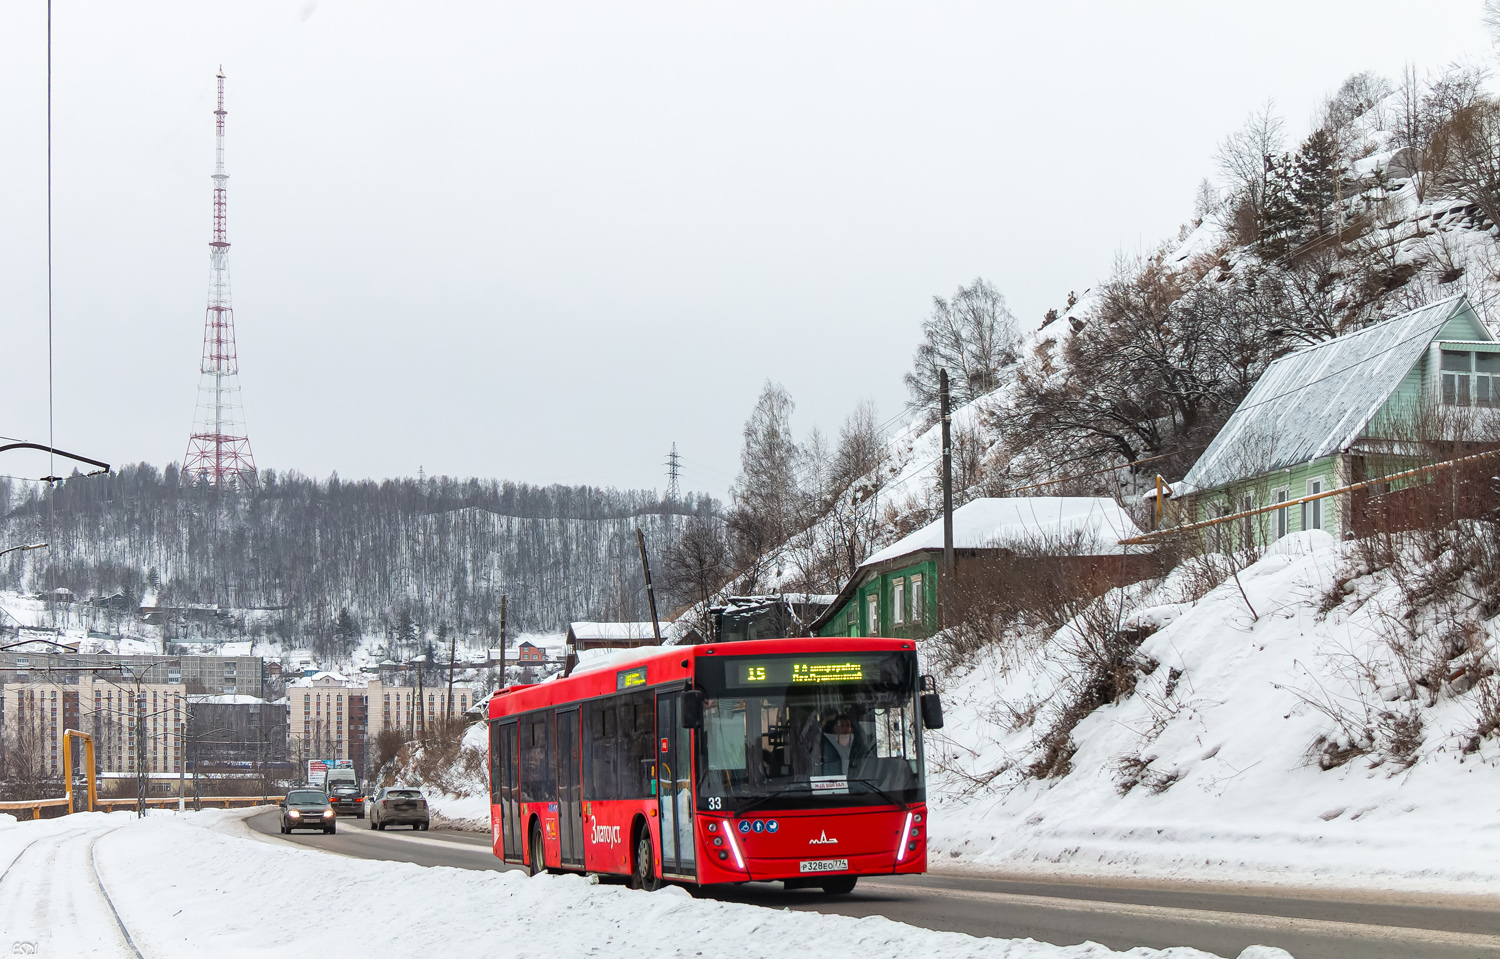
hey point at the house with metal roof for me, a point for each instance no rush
(1346, 410)
(1073, 542)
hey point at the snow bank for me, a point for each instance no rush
(457, 792)
(183, 883)
(1204, 771)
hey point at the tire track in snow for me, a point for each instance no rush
(99, 884)
(51, 896)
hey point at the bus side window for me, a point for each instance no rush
(600, 748)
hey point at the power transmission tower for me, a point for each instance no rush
(674, 469)
(219, 449)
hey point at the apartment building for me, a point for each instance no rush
(209, 675)
(34, 716)
(331, 716)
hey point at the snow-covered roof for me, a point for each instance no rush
(1094, 523)
(229, 700)
(1317, 401)
(637, 632)
(322, 678)
(236, 648)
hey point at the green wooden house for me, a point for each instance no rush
(900, 591)
(1359, 406)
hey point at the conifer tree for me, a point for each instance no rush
(1283, 220)
(1315, 184)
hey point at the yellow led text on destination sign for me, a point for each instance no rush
(630, 677)
(827, 672)
(755, 674)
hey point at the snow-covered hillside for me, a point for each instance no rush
(1212, 767)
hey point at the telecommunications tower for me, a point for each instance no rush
(218, 452)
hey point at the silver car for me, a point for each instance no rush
(398, 805)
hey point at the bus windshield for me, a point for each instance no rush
(794, 731)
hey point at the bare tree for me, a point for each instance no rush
(1243, 160)
(973, 336)
(767, 496)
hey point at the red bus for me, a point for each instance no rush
(797, 760)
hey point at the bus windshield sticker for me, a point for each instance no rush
(829, 785)
(628, 678)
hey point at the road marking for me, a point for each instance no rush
(1324, 928)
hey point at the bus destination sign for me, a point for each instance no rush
(789, 671)
(630, 678)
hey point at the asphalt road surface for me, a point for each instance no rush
(1221, 919)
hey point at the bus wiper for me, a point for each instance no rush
(883, 794)
(762, 800)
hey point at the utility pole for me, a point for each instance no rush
(421, 703)
(452, 650)
(640, 540)
(947, 482)
(182, 726)
(502, 642)
(140, 750)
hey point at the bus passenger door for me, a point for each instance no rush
(509, 782)
(674, 787)
(569, 805)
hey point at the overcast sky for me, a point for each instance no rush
(544, 241)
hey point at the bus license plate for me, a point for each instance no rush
(825, 865)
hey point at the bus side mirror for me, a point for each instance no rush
(932, 706)
(692, 709)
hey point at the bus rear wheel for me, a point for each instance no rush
(536, 849)
(841, 886)
(645, 870)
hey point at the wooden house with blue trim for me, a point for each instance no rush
(1409, 390)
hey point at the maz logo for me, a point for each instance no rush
(605, 834)
(822, 840)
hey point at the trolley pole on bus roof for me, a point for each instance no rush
(943, 406)
(640, 540)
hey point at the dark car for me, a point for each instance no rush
(346, 800)
(307, 809)
(397, 805)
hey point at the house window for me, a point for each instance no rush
(853, 627)
(918, 611)
(1470, 379)
(1312, 513)
(898, 601)
(1283, 520)
(872, 616)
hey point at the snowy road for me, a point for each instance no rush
(179, 887)
(1221, 920)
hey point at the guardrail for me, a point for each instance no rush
(36, 806)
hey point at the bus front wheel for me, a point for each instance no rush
(645, 870)
(841, 886)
